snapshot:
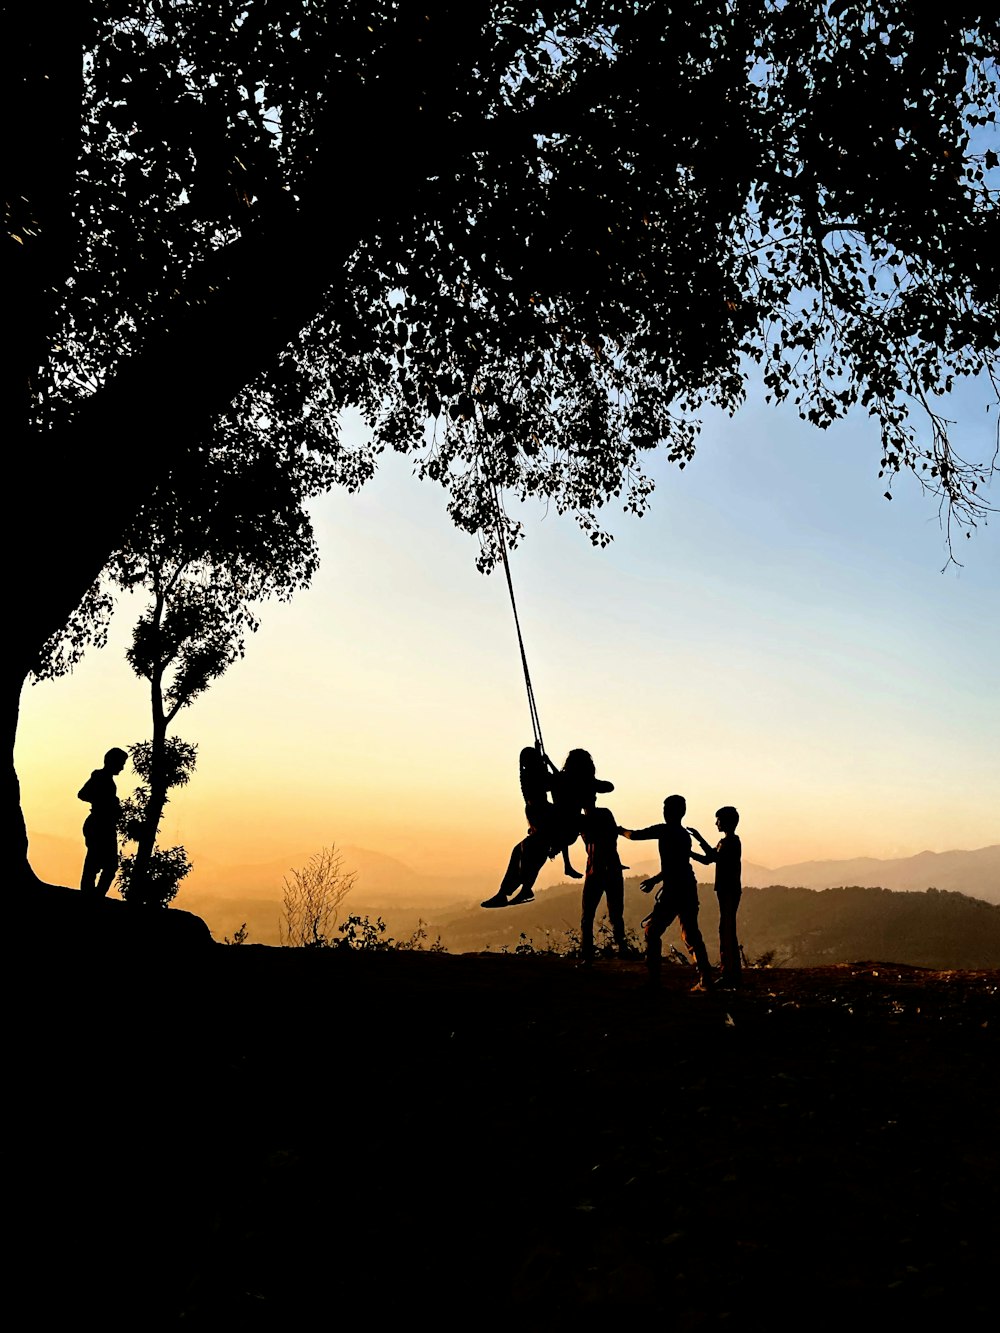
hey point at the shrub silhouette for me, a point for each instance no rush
(312, 899)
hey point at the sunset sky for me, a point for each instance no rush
(773, 634)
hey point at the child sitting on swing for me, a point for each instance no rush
(553, 826)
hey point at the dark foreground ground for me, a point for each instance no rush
(281, 1139)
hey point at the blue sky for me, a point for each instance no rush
(772, 634)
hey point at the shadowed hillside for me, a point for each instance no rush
(228, 896)
(805, 926)
(449, 906)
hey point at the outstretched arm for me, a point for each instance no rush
(641, 834)
(706, 847)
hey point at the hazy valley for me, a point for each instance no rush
(781, 912)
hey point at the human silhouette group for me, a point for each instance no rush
(560, 806)
(555, 824)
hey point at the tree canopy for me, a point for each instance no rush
(205, 567)
(528, 241)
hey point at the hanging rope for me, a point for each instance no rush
(536, 725)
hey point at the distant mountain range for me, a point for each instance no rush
(975, 873)
(789, 926)
(228, 895)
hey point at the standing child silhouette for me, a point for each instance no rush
(604, 879)
(677, 898)
(728, 858)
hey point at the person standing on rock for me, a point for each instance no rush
(100, 828)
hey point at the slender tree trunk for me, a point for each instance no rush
(139, 888)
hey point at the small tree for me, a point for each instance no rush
(188, 636)
(151, 876)
(205, 570)
(312, 899)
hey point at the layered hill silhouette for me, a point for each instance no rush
(449, 905)
(976, 873)
(798, 926)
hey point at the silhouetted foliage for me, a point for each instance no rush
(312, 898)
(567, 943)
(416, 941)
(204, 567)
(528, 242)
(151, 875)
(365, 935)
(160, 879)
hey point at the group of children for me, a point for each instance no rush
(573, 811)
(553, 826)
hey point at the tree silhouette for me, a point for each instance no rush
(150, 876)
(206, 566)
(527, 241)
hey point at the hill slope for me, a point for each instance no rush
(294, 1136)
(804, 926)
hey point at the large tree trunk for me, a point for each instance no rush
(35, 258)
(12, 829)
(239, 310)
(157, 407)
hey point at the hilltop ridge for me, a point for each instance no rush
(976, 873)
(497, 1139)
(226, 896)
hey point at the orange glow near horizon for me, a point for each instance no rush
(754, 641)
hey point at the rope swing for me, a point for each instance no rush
(536, 725)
